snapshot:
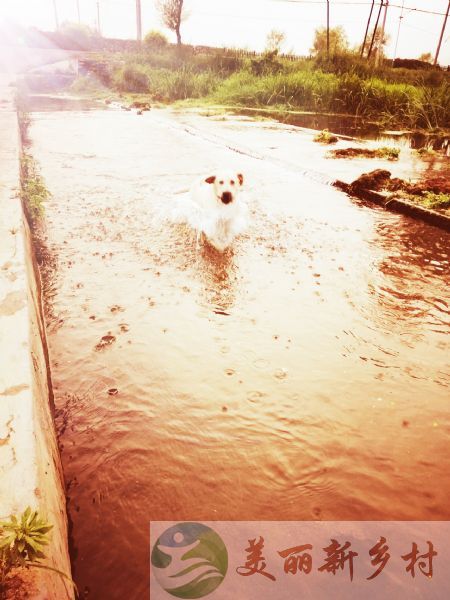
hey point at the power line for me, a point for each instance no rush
(319, 2)
(350, 2)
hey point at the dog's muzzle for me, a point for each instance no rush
(227, 197)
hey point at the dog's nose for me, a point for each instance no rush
(227, 197)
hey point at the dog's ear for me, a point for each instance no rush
(241, 178)
(210, 179)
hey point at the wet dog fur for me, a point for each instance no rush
(218, 212)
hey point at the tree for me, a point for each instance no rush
(426, 57)
(172, 15)
(338, 41)
(274, 40)
(378, 44)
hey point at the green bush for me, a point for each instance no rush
(344, 84)
(267, 64)
(155, 40)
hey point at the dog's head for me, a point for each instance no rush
(226, 186)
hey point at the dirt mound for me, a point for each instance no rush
(375, 180)
(432, 192)
(381, 179)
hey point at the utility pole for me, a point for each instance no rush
(328, 29)
(367, 29)
(375, 29)
(442, 35)
(398, 32)
(138, 21)
(55, 8)
(380, 43)
(78, 11)
(98, 18)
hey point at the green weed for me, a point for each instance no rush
(325, 137)
(22, 545)
(432, 200)
(33, 190)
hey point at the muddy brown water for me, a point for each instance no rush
(303, 375)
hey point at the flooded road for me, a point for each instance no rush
(301, 376)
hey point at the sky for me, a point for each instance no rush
(246, 23)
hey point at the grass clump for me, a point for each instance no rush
(425, 152)
(33, 190)
(325, 137)
(387, 152)
(163, 84)
(308, 90)
(435, 201)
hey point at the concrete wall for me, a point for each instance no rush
(30, 467)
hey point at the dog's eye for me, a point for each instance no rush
(221, 182)
(232, 182)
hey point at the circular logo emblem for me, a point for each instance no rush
(189, 560)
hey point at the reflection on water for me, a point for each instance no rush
(348, 125)
(301, 375)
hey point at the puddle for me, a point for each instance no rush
(356, 127)
(300, 376)
(52, 102)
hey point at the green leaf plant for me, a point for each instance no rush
(22, 545)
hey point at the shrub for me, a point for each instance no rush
(411, 63)
(155, 40)
(267, 64)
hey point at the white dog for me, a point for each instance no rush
(216, 210)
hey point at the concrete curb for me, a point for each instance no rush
(30, 466)
(405, 207)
